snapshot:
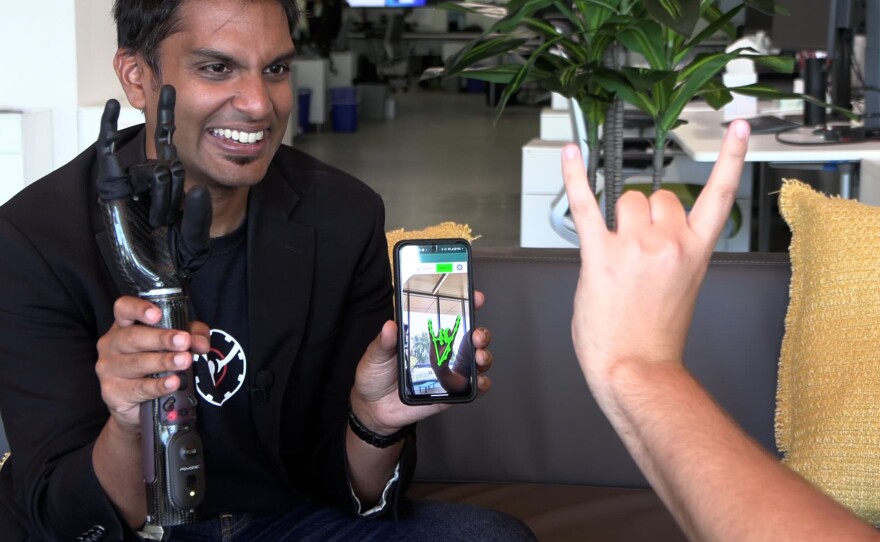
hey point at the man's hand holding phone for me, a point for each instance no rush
(375, 398)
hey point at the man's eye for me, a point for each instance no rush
(217, 68)
(278, 69)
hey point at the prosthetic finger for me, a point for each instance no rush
(112, 181)
(178, 175)
(165, 150)
(194, 241)
(161, 212)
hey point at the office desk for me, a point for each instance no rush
(417, 44)
(701, 139)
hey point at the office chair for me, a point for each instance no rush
(324, 18)
(394, 66)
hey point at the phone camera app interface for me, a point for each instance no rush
(435, 308)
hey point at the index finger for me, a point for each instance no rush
(129, 310)
(584, 208)
(711, 210)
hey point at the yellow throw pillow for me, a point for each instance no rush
(828, 396)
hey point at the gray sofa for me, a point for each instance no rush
(538, 447)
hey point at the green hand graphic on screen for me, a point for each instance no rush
(443, 340)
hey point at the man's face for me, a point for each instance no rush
(229, 63)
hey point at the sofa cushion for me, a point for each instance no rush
(829, 372)
(539, 424)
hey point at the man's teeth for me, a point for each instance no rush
(241, 137)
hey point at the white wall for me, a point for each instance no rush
(56, 56)
(96, 38)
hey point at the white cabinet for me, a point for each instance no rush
(89, 122)
(314, 74)
(343, 69)
(25, 149)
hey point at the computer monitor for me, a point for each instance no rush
(388, 3)
(806, 29)
(757, 21)
(806, 26)
(846, 18)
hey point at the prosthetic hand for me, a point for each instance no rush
(155, 250)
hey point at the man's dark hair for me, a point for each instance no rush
(141, 25)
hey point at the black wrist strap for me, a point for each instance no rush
(372, 438)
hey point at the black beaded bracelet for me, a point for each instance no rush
(373, 438)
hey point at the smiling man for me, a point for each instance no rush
(293, 352)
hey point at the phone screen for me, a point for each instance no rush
(435, 318)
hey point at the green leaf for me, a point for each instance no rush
(711, 29)
(769, 93)
(576, 80)
(711, 13)
(759, 90)
(781, 64)
(578, 52)
(715, 94)
(643, 79)
(646, 38)
(569, 14)
(502, 74)
(490, 10)
(699, 62)
(520, 77)
(479, 51)
(552, 63)
(612, 6)
(680, 16)
(595, 113)
(694, 78)
(595, 13)
(618, 84)
(517, 10)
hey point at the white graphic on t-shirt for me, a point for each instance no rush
(220, 373)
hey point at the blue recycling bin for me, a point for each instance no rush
(304, 103)
(343, 109)
(475, 86)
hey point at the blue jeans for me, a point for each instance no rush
(310, 522)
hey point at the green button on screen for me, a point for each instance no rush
(444, 268)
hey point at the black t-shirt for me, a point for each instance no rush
(237, 477)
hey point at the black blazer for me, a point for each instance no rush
(319, 291)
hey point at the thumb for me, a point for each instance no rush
(383, 349)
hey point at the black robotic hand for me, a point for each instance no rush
(156, 248)
(157, 245)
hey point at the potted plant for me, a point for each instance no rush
(573, 48)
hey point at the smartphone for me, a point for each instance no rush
(433, 300)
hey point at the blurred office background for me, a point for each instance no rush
(432, 150)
